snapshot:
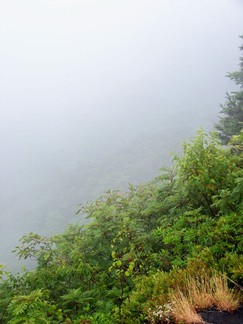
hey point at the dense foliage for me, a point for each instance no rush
(136, 246)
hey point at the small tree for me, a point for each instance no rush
(231, 122)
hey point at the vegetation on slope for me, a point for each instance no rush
(139, 249)
(155, 254)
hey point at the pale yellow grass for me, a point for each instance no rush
(202, 292)
(199, 292)
(224, 298)
(182, 310)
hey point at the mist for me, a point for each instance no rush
(97, 94)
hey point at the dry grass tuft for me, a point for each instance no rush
(202, 292)
(182, 310)
(199, 292)
(225, 299)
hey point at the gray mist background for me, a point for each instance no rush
(97, 94)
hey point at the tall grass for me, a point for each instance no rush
(199, 292)
(182, 310)
(224, 298)
(202, 292)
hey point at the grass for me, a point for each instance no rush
(190, 294)
(202, 292)
(199, 291)
(182, 310)
(225, 299)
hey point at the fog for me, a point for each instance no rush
(97, 94)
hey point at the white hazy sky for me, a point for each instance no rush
(62, 56)
(73, 70)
